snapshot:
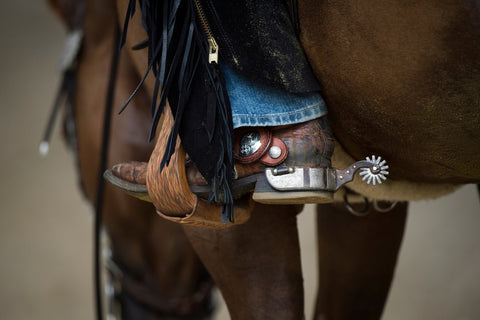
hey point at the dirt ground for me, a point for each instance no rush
(46, 226)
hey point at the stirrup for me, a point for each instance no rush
(169, 191)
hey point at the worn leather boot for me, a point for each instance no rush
(280, 165)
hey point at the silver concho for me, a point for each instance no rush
(250, 143)
(275, 152)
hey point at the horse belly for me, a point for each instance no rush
(401, 80)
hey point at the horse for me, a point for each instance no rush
(400, 79)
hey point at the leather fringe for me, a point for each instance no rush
(178, 57)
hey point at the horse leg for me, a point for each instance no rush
(357, 257)
(256, 265)
(162, 276)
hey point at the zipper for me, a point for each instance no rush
(212, 44)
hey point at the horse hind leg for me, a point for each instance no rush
(256, 265)
(357, 258)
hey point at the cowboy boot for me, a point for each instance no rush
(279, 165)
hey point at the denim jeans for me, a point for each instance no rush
(254, 104)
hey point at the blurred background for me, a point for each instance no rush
(46, 226)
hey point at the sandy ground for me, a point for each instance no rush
(46, 227)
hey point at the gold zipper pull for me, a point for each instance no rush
(212, 50)
(212, 44)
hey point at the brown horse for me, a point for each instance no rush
(401, 79)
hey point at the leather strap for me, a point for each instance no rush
(266, 142)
